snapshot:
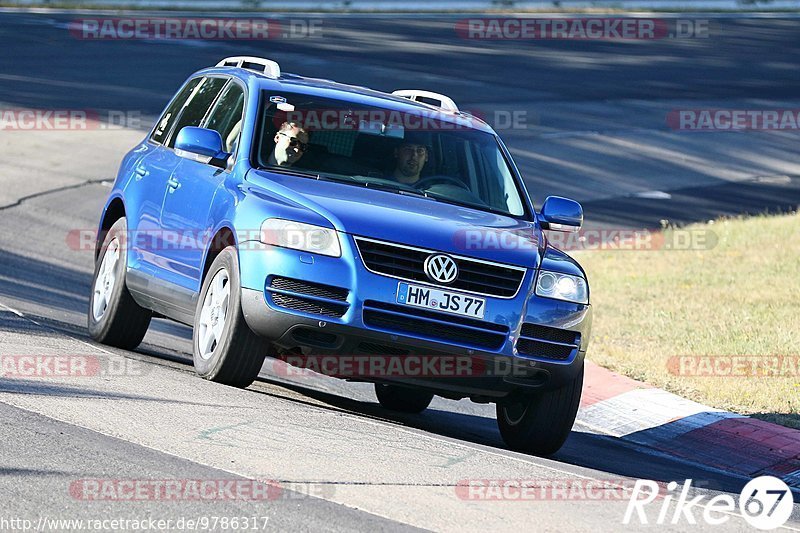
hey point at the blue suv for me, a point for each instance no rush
(389, 236)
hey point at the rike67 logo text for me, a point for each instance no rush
(765, 503)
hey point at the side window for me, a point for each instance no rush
(226, 118)
(168, 118)
(197, 106)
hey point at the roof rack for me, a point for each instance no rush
(257, 64)
(445, 102)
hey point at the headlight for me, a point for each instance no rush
(299, 236)
(562, 287)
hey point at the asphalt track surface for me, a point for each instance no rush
(343, 462)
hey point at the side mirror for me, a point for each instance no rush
(203, 143)
(561, 214)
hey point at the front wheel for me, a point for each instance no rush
(540, 423)
(114, 317)
(225, 348)
(403, 399)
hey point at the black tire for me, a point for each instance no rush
(124, 323)
(236, 359)
(539, 424)
(403, 399)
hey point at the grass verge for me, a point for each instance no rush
(677, 319)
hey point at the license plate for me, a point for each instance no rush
(444, 301)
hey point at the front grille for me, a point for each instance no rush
(408, 263)
(308, 297)
(434, 326)
(548, 343)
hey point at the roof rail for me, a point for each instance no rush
(258, 64)
(445, 102)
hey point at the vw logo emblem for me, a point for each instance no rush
(441, 268)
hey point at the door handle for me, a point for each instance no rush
(173, 184)
(141, 172)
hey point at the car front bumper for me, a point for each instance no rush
(503, 368)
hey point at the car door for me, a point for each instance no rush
(186, 210)
(146, 189)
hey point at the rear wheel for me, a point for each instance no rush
(225, 348)
(114, 317)
(403, 399)
(540, 423)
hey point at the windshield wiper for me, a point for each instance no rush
(291, 171)
(339, 178)
(398, 190)
(389, 186)
(479, 207)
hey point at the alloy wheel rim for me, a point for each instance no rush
(105, 281)
(213, 314)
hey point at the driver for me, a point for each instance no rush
(410, 158)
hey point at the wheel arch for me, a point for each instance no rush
(114, 211)
(223, 238)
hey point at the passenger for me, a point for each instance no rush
(291, 142)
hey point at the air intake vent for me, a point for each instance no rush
(546, 333)
(309, 306)
(548, 343)
(308, 297)
(311, 289)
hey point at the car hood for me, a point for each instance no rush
(411, 220)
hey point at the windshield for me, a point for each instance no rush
(415, 154)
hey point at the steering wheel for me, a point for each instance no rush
(426, 183)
